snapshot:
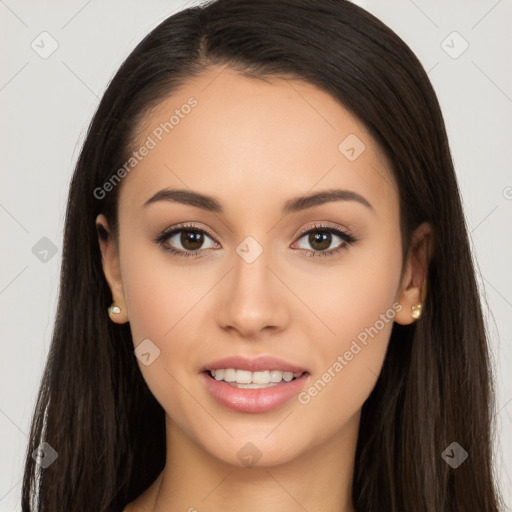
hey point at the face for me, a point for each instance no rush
(258, 271)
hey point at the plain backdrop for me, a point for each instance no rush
(47, 102)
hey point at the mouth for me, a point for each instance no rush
(245, 379)
(253, 385)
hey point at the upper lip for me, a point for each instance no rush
(258, 364)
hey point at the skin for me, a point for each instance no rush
(254, 145)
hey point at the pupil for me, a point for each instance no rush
(195, 238)
(321, 237)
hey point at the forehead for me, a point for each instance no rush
(227, 136)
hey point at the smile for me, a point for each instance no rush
(244, 379)
(254, 397)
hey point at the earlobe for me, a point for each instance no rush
(410, 298)
(413, 289)
(111, 269)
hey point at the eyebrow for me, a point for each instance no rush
(291, 206)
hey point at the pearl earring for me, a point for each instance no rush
(114, 310)
(416, 311)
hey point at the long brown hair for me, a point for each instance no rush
(435, 388)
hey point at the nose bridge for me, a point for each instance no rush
(250, 299)
(251, 273)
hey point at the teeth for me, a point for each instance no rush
(276, 376)
(253, 380)
(260, 377)
(243, 377)
(230, 375)
(287, 376)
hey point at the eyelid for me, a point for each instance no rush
(166, 233)
(323, 225)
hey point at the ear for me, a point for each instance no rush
(413, 287)
(111, 268)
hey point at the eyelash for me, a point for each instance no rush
(347, 238)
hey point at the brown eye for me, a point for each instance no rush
(188, 240)
(191, 240)
(319, 239)
(185, 240)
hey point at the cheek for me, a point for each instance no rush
(357, 305)
(157, 294)
(162, 302)
(161, 305)
(352, 295)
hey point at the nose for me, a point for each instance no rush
(253, 300)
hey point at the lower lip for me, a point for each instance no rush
(253, 400)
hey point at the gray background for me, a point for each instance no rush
(47, 103)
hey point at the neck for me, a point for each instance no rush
(319, 479)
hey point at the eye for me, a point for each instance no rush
(188, 240)
(185, 240)
(321, 237)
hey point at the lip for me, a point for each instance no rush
(258, 364)
(253, 400)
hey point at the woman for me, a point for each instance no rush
(267, 296)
